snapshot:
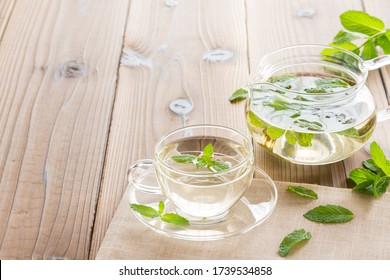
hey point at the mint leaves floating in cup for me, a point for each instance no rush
(292, 240)
(150, 212)
(204, 160)
(374, 178)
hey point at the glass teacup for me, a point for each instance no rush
(203, 187)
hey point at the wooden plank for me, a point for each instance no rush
(280, 25)
(172, 50)
(58, 71)
(6, 7)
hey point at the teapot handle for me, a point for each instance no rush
(383, 115)
(376, 62)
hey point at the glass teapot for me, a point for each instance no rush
(309, 104)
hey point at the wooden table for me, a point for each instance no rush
(85, 88)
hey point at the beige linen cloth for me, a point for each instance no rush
(367, 236)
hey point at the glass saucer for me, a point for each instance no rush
(251, 210)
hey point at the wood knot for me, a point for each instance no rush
(72, 69)
(307, 12)
(171, 3)
(134, 59)
(218, 55)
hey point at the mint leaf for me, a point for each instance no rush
(370, 164)
(292, 240)
(278, 104)
(369, 50)
(161, 207)
(200, 163)
(281, 78)
(303, 139)
(381, 185)
(208, 152)
(344, 37)
(290, 137)
(315, 90)
(150, 212)
(254, 120)
(217, 166)
(327, 83)
(361, 22)
(238, 95)
(379, 158)
(350, 132)
(145, 210)
(329, 214)
(383, 42)
(184, 158)
(274, 132)
(295, 115)
(365, 187)
(175, 219)
(302, 191)
(316, 126)
(360, 175)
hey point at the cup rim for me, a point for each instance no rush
(203, 174)
(353, 89)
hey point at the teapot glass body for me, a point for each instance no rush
(309, 104)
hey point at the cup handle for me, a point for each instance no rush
(142, 176)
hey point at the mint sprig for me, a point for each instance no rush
(150, 212)
(205, 160)
(374, 177)
(368, 30)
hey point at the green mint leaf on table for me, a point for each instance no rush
(329, 214)
(370, 164)
(379, 158)
(360, 175)
(302, 191)
(292, 240)
(238, 95)
(150, 212)
(374, 178)
(204, 160)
